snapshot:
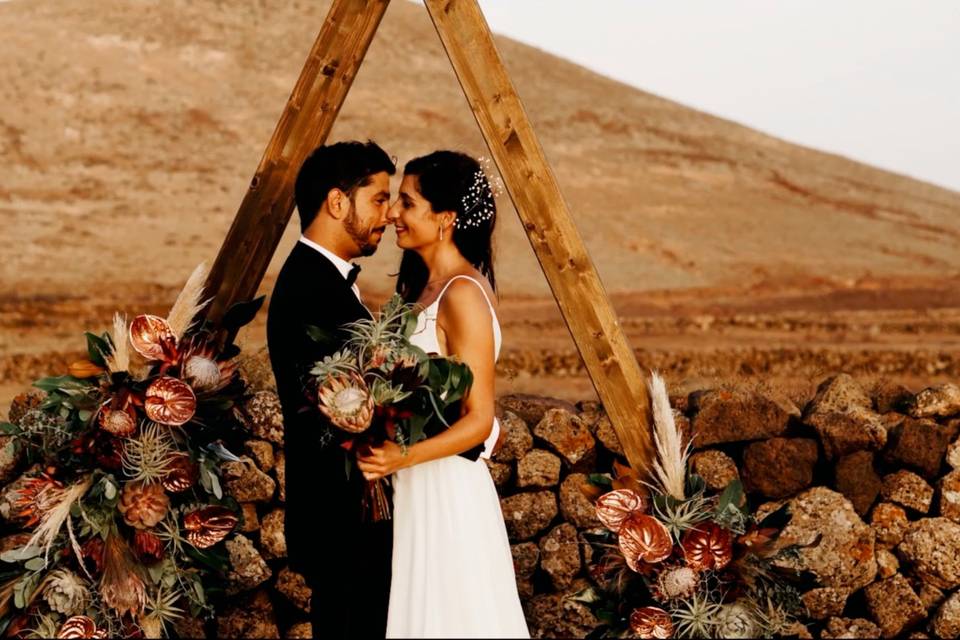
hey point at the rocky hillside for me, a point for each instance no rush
(129, 130)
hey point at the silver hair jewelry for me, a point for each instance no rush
(479, 203)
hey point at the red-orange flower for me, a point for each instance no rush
(203, 371)
(92, 552)
(616, 506)
(183, 473)
(152, 337)
(77, 627)
(119, 422)
(643, 538)
(84, 369)
(651, 622)
(170, 401)
(707, 546)
(37, 496)
(148, 546)
(209, 525)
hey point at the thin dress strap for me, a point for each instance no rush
(496, 321)
(474, 281)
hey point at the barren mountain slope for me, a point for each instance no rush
(129, 131)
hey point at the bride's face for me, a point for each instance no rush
(414, 219)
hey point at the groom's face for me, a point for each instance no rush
(367, 219)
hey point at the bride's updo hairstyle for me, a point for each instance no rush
(452, 181)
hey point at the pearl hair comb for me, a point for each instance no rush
(479, 201)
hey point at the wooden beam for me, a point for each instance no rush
(587, 310)
(305, 123)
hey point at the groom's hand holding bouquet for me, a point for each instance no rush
(380, 388)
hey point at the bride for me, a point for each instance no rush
(452, 570)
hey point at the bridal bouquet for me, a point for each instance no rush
(379, 386)
(676, 561)
(122, 511)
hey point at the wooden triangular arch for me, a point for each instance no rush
(307, 120)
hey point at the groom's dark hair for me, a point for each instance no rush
(344, 165)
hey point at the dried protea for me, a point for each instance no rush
(148, 546)
(152, 338)
(66, 592)
(122, 586)
(644, 539)
(347, 402)
(36, 498)
(183, 473)
(169, 401)
(707, 546)
(651, 622)
(118, 416)
(616, 506)
(77, 627)
(675, 582)
(121, 423)
(204, 372)
(143, 505)
(209, 525)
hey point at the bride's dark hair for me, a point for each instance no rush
(452, 181)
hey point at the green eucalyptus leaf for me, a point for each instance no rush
(155, 572)
(198, 588)
(97, 346)
(215, 483)
(62, 383)
(600, 479)
(169, 580)
(9, 428)
(18, 555)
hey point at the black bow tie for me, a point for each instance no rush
(352, 276)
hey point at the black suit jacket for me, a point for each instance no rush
(345, 561)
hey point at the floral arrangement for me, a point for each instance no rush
(676, 561)
(124, 513)
(379, 386)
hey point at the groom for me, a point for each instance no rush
(342, 194)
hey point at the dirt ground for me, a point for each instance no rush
(788, 336)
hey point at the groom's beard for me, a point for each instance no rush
(361, 236)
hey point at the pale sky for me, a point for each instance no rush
(874, 80)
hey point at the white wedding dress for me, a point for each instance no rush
(453, 574)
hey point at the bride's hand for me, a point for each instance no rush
(378, 462)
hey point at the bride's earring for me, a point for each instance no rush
(441, 233)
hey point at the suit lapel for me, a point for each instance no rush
(318, 266)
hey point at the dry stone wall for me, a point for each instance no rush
(874, 472)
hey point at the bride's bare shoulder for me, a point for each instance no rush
(465, 297)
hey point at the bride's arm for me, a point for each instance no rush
(468, 325)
